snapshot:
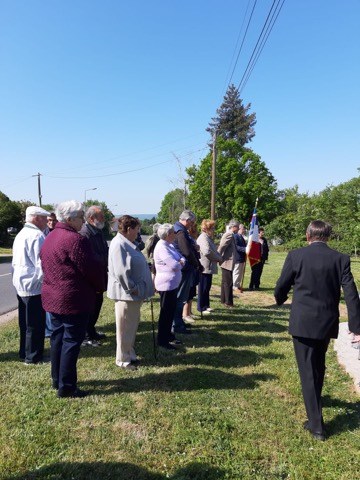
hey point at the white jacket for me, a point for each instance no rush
(26, 265)
(129, 273)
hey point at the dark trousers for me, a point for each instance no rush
(205, 282)
(187, 280)
(91, 331)
(167, 309)
(256, 272)
(32, 328)
(310, 356)
(66, 339)
(226, 287)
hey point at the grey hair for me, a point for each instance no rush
(165, 230)
(92, 211)
(156, 227)
(233, 223)
(68, 209)
(187, 215)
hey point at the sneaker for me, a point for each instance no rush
(189, 319)
(210, 309)
(206, 312)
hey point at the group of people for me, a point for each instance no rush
(62, 266)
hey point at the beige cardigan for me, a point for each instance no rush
(227, 250)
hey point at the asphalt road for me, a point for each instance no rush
(8, 300)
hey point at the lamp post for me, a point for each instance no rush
(88, 190)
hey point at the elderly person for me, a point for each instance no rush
(184, 244)
(168, 264)
(129, 285)
(227, 250)
(27, 280)
(209, 257)
(72, 276)
(93, 230)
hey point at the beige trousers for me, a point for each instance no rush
(238, 273)
(127, 316)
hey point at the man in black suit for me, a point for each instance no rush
(316, 273)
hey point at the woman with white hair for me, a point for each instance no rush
(129, 285)
(168, 264)
(72, 276)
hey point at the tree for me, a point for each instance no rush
(233, 122)
(171, 206)
(10, 216)
(241, 177)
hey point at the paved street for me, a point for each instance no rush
(8, 300)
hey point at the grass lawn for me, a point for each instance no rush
(227, 405)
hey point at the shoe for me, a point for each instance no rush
(317, 435)
(38, 362)
(77, 393)
(182, 330)
(228, 305)
(206, 312)
(189, 319)
(135, 362)
(129, 366)
(99, 336)
(91, 343)
(237, 290)
(210, 309)
(168, 346)
(175, 342)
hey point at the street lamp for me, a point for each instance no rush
(88, 190)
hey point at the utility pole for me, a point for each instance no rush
(213, 182)
(39, 187)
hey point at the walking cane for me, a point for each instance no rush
(153, 327)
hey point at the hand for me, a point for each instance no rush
(201, 268)
(356, 339)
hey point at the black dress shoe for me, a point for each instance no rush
(317, 435)
(77, 393)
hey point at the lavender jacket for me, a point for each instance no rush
(168, 266)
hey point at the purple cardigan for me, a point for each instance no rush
(168, 266)
(72, 275)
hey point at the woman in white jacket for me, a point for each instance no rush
(209, 257)
(129, 285)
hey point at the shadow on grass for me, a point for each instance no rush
(118, 471)
(189, 379)
(348, 417)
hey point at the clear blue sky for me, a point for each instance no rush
(93, 90)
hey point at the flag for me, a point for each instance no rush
(253, 249)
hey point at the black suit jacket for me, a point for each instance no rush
(316, 273)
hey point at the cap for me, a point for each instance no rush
(33, 211)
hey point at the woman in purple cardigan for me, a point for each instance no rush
(72, 276)
(168, 265)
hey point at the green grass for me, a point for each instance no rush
(226, 406)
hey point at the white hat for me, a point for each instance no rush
(34, 211)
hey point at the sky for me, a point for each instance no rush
(117, 95)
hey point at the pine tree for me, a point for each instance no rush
(233, 121)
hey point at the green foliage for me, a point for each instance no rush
(241, 177)
(10, 216)
(233, 122)
(147, 226)
(171, 206)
